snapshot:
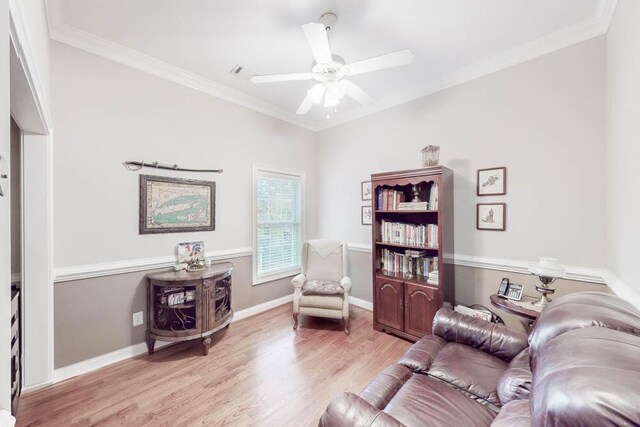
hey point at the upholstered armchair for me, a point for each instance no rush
(322, 289)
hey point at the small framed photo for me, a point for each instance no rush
(367, 215)
(492, 182)
(365, 190)
(491, 216)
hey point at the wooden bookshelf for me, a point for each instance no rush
(404, 303)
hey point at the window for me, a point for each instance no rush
(278, 223)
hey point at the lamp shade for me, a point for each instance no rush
(547, 267)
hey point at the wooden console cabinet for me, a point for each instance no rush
(404, 303)
(184, 306)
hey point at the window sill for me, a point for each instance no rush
(261, 280)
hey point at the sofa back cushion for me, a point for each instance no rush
(581, 310)
(587, 377)
(497, 340)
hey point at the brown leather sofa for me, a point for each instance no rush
(579, 366)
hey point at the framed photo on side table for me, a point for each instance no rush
(365, 190)
(367, 215)
(491, 216)
(492, 182)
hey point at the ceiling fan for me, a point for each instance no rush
(330, 70)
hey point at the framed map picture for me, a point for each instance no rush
(492, 182)
(174, 205)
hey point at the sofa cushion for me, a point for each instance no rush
(514, 414)
(425, 402)
(472, 370)
(315, 301)
(515, 383)
(588, 376)
(322, 288)
(582, 310)
(421, 355)
(383, 387)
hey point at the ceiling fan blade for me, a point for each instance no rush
(356, 92)
(394, 59)
(281, 77)
(318, 42)
(305, 106)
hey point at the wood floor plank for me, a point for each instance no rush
(259, 372)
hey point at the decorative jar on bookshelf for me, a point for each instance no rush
(412, 230)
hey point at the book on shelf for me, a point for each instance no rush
(434, 277)
(399, 233)
(388, 200)
(394, 200)
(402, 263)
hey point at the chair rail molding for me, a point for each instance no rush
(88, 271)
(580, 274)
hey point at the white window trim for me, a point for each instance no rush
(260, 169)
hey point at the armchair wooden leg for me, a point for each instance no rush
(346, 325)
(295, 320)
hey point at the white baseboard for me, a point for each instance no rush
(6, 419)
(32, 388)
(361, 303)
(257, 309)
(98, 362)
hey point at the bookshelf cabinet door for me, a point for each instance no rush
(389, 302)
(420, 307)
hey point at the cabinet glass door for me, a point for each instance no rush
(175, 309)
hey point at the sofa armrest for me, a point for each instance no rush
(421, 355)
(298, 281)
(346, 284)
(497, 340)
(349, 409)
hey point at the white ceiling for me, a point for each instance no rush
(197, 42)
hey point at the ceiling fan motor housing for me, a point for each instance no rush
(328, 19)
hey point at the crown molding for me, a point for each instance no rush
(73, 36)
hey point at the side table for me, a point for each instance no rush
(508, 306)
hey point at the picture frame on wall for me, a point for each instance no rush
(492, 182)
(491, 216)
(365, 191)
(176, 205)
(366, 215)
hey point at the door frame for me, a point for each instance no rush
(30, 110)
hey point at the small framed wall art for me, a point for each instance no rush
(365, 190)
(367, 215)
(492, 182)
(491, 216)
(173, 205)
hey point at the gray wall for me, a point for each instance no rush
(472, 285)
(543, 119)
(623, 145)
(94, 316)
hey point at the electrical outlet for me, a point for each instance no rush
(138, 319)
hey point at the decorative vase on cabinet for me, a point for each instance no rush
(184, 306)
(412, 230)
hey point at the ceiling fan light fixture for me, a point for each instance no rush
(330, 101)
(315, 93)
(336, 92)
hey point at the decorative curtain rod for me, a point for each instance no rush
(134, 166)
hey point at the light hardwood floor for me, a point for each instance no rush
(259, 372)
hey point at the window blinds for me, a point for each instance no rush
(278, 234)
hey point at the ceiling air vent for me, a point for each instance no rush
(242, 72)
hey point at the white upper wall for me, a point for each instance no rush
(623, 154)
(106, 113)
(544, 120)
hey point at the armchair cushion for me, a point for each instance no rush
(422, 354)
(322, 287)
(330, 302)
(515, 383)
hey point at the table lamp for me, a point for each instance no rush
(547, 270)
